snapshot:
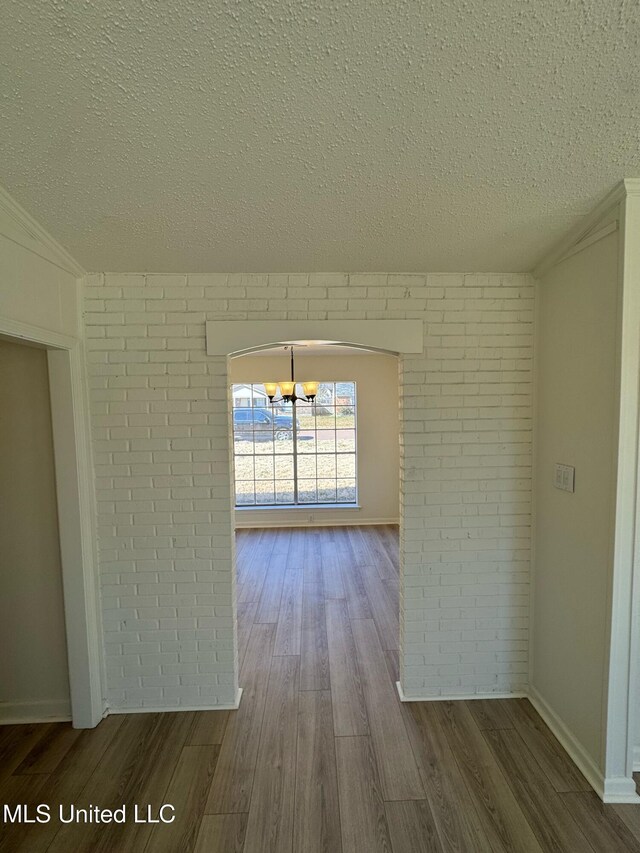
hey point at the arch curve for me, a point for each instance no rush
(238, 337)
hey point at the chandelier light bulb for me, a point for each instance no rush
(310, 390)
(271, 389)
(287, 389)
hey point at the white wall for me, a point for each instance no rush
(34, 682)
(576, 424)
(161, 450)
(376, 378)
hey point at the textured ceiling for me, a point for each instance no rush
(245, 135)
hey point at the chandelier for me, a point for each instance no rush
(288, 389)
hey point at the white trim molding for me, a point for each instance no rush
(589, 239)
(29, 234)
(586, 231)
(568, 741)
(235, 337)
(611, 789)
(282, 520)
(76, 514)
(74, 487)
(35, 335)
(623, 674)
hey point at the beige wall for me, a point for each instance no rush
(576, 425)
(376, 378)
(34, 679)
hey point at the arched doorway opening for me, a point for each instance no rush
(227, 340)
(317, 502)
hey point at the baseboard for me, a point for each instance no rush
(155, 709)
(619, 790)
(610, 790)
(319, 521)
(16, 713)
(570, 743)
(457, 697)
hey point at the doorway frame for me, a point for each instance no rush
(229, 338)
(621, 712)
(76, 516)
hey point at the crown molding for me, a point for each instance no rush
(32, 236)
(35, 334)
(587, 225)
(632, 186)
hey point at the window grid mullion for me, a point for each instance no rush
(294, 435)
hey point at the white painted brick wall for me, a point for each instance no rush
(161, 448)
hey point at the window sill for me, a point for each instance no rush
(290, 507)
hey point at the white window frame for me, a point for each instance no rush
(295, 454)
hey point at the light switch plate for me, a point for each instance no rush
(564, 477)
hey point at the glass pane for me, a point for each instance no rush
(282, 432)
(263, 443)
(345, 397)
(326, 491)
(244, 467)
(284, 467)
(346, 440)
(264, 468)
(326, 466)
(264, 492)
(245, 493)
(325, 395)
(345, 417)
(326, 440)
(307, 441)
(307, 467)
(346, 491)
(307, 492)
(242, 444)
(284, 492)
(304, 411)
(346, 466)
(326, 418)
(283, 445)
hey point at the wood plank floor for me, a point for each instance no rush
(321, 757)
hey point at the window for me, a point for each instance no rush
(289, 455)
